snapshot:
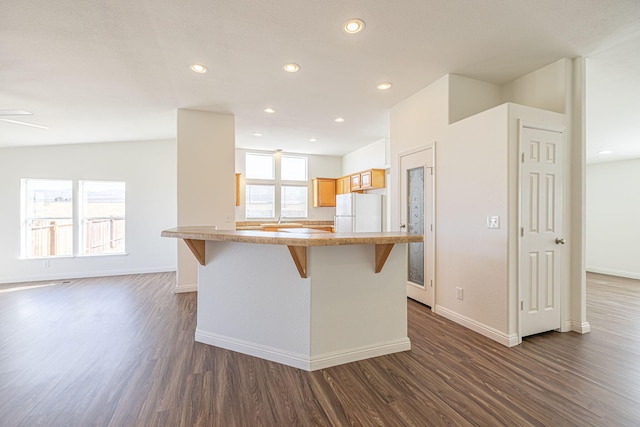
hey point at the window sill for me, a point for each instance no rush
(45, 258)
(97, 255)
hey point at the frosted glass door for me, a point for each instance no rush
(416, 217)
(415, 224)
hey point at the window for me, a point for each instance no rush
(276, 186)
(293, 196)
(293, 202)
(47, 218)
(102, 217)
(293, 168)
(259, 166)
(260, 201)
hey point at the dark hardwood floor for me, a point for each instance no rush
(119, 351)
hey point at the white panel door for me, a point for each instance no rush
(541, 229)
(416, 213)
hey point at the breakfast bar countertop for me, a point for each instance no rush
(290, 239)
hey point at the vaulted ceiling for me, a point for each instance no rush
(117, 70)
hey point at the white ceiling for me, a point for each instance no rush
(117, 70)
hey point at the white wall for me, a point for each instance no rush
(469, 96)
(372, 156)
(546, 88)
(318, 167)
(471, 184)
(206, 181)
(415, 122)
(149, 170)
(613, 214)
(476, 175)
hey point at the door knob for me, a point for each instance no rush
(560, 241)
(403, 226)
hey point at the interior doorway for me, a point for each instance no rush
(541, 248)
(417, 207)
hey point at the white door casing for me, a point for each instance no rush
(541, 240)
(420, 164)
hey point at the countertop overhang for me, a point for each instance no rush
(196, 236)
(290, 238)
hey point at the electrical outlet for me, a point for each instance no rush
(459, 293)
(493, 222)
(46, 263)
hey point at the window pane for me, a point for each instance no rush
(260, 201)
(259, 166)
(293, 202)
(103, 217)
(293, 168)
(48, 220)
(49, 198)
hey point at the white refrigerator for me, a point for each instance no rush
(357, 213)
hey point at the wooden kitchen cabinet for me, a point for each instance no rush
(324, 192)
(238, 189)
(355, 182)
(373, 178)
(343, 185)
(368, 180)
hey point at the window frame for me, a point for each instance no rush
(277, 184)
(252, 184)
(75, 225)
(83, 217)
(26, 239)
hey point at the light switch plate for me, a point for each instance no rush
(493, 222)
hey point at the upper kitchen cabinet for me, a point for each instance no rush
(324, 192)
(343, 185)
(238, 189)
(368, 180)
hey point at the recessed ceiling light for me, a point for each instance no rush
(257, 134)
(339, 120)
(269, 110)
(605, 152)
(313, 140)
(291, 68)
(384, 86)
(353, 26)
(198, 68)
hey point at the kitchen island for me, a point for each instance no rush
(308, 300)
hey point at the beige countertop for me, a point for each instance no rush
(196, 236)
(290, 239)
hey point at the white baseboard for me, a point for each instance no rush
(508, 340)
(298, 360)
(617, 273)
(85, 274)
(579, 327)
(181, 289)
(353, 355)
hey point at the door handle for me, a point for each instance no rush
(403, 226)
(560, 241)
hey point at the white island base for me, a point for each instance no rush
(251, 299)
